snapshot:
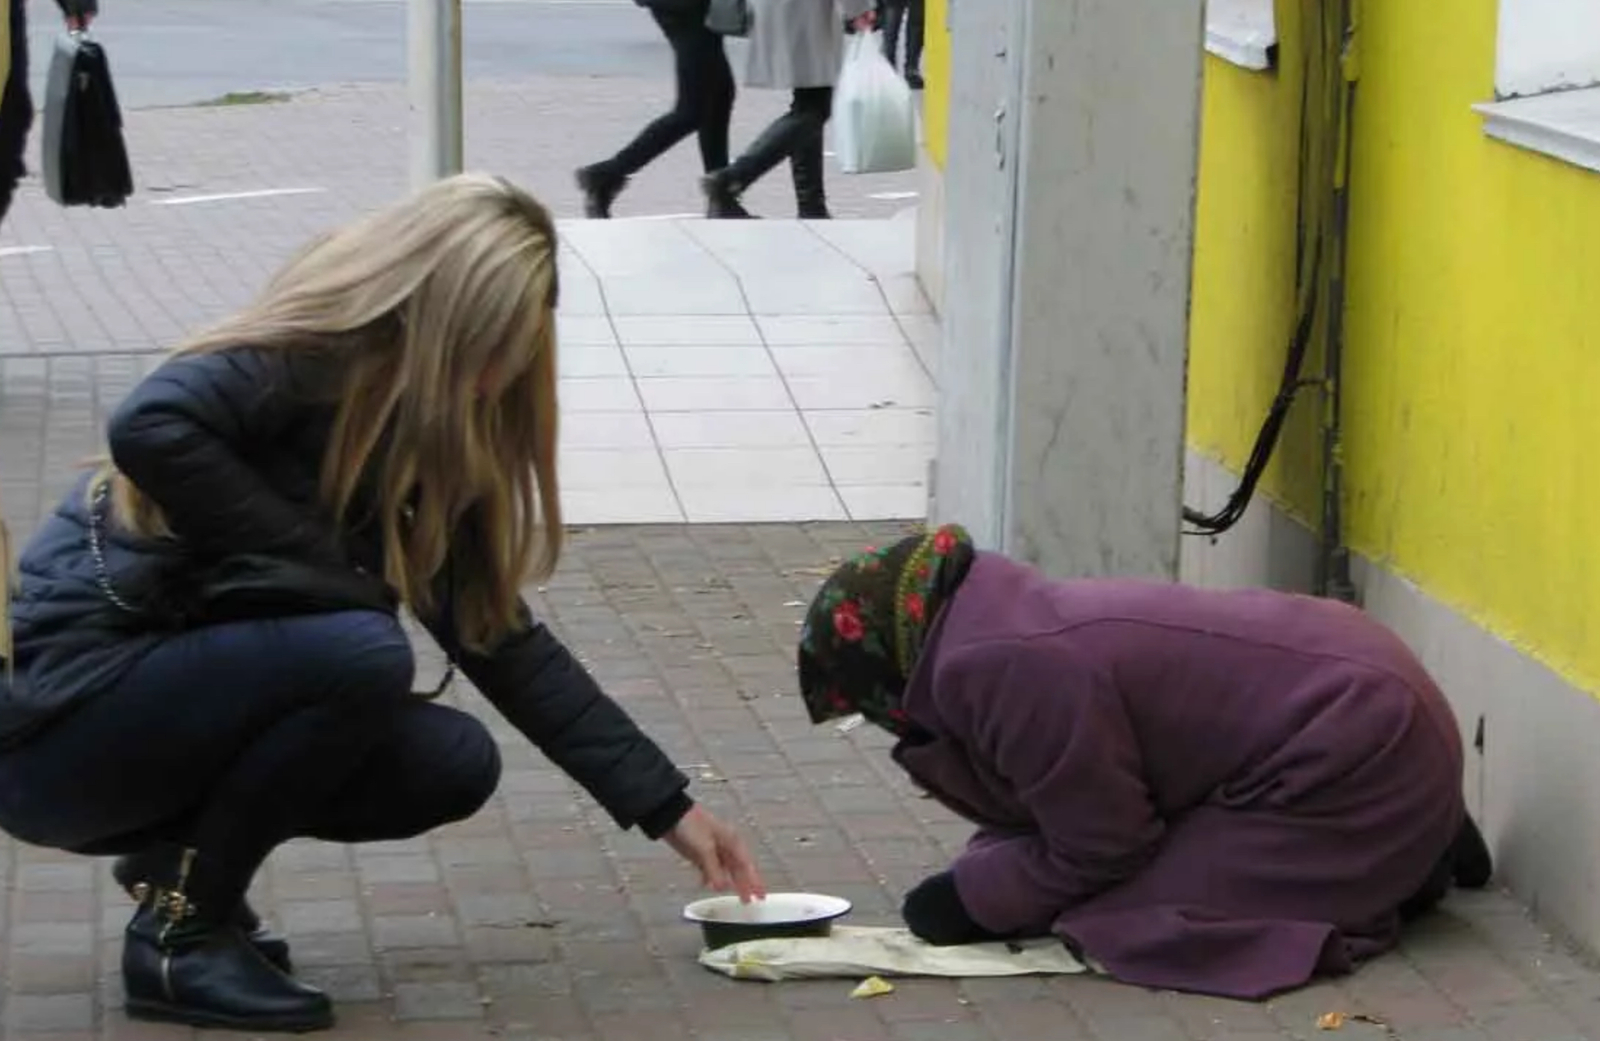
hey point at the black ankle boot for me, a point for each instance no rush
(600, 187)
(181, 966)
(722, 197)
(140, 874)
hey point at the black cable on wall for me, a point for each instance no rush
(1323, 150)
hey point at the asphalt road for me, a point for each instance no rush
(179, 52)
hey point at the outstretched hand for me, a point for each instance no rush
(716, 850)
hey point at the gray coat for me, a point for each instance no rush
(798, 43)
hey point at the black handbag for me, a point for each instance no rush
(85, 156)
(729, 17)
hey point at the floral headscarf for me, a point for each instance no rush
(868, 623)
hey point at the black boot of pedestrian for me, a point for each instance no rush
(600, 186)
(140, 874)
(774, 144)
(810, 194)
(722, 197)
(182, 965)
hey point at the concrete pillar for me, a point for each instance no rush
(1069, 200)
(433, 53)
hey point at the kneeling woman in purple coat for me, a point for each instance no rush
(1222, 792)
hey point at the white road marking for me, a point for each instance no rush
(264, 193)
(23, 251)
(891, 196)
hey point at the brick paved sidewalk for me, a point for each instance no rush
(536, 919)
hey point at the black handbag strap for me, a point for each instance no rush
(97, 547)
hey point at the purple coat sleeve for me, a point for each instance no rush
(1055, 731)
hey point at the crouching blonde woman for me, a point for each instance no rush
(206, 655)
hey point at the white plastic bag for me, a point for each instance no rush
(854, 952)
(874, 114)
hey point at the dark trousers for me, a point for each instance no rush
(909, 15)
(236, 738)
(705, 95)
(16, 108)
(796, 135)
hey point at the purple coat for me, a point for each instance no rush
(1226, 792)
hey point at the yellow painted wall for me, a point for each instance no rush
(1242, 309)
(1474, 410)
(936, 76)
(1472, 413)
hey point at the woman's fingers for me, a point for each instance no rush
(746, 877)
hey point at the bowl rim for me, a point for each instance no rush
(835, 907)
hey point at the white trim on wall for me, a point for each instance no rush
(1564, 125)
(1243, 32)
(1547, 79)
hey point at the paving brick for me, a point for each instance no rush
(437, 1001)
(831, 1022)
(71, 906)
(348, 984)
(308, 917)
(332, 948)
(50, 973)
(403, 867)
(399, 931)
(48, 1013)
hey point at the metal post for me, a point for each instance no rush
(434, 51)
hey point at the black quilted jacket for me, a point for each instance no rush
(230, 444)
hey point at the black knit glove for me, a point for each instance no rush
(934, 913)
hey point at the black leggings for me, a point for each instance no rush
(16, 108)
(235, 738)
(907, 14)
(797, 131)
(704, 104)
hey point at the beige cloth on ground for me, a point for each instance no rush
(852, 952)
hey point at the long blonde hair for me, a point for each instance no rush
(444, 306)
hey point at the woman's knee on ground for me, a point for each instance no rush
(466, 770)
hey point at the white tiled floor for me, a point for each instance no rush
(744, 371)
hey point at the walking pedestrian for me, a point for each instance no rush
(207, 658)
(703, 106)
(909, 15)
(16, 100)
(795, 45)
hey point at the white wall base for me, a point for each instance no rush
(1534, 787)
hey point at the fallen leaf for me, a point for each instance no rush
(1331, 1021)
(872, 987)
